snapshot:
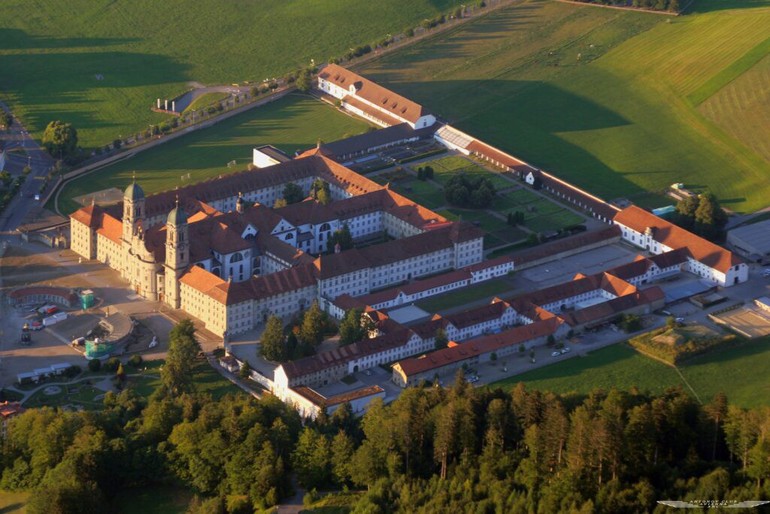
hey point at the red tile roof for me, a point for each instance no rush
(383, 116)
(374, 93)
(392, 251)
(10, 409)
(478, 346)
(344, 354)
(494, 154)
(320, 400)
(200, 279)
(90, 215)
(273, 284)
(676, 238)
(111, 228)
(65, 294)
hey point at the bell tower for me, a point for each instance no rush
(133, 210)
(177, 252)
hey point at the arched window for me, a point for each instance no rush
(217, 272)
(236, 257)
(325, 227)
(288, 236)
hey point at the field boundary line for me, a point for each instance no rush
(619, 8)
(688, 385)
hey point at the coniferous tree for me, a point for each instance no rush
(311, 331)
(272, 346)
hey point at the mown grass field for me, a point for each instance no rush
(292, 123)
(614, 101)
(741, 373)
(53, 51)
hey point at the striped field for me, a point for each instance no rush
(621, 103)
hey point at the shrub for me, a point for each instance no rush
(72, 371)
(135, 360)
(94, 365)
(112, 364)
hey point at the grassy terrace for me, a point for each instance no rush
(100, 64)
(621, 103)
(741, 373)
(292, 123)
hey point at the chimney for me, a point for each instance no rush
(239, 204)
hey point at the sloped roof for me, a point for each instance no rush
(373, 93)
(89, 215)
(201, 280)
(474, 347)
(273, 284)
(110, 228)
(344, 354)
(706, 252)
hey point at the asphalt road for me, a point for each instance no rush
(40, 162)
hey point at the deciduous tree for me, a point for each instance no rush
(176, 374)
(60, 139)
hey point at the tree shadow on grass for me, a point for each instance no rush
(18, 39)
(706, 6)
(529, 119)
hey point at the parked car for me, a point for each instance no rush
(36, 325)
(679, 320)
(555, 354)
(566, 349)
(473, 379)
(154, 342)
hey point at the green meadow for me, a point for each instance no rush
(292, 123)
(739, 372)
(621, 103)
(100, 64)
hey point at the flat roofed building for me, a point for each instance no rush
(752, 241)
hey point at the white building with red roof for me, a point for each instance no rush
(218, 251)
(372, 101)
(704, 258)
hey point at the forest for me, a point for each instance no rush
(434, 449)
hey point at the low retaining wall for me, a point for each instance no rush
(32, 295)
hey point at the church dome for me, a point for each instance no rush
(177, 216)
(133, 192)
